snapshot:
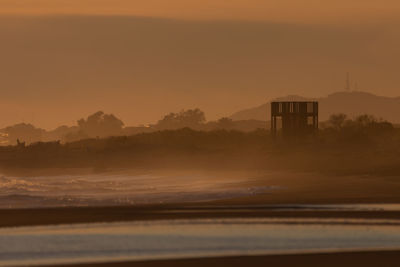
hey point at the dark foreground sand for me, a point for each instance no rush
(348, 259)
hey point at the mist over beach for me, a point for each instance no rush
(193, 133)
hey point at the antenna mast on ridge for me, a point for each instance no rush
(348, 86)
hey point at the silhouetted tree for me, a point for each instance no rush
(60, 133)
(101, 125)
(360, 130)
(337, 121)
(192, 118)
(22, 132)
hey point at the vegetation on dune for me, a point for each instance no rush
(343, 145)
(101, 125)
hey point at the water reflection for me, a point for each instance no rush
(192, 238)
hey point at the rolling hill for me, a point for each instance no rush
(350, 103)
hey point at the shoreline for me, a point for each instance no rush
(334, 259)
(82, 215)
(294, 189)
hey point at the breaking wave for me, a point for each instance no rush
(120, 189)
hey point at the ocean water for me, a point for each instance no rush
(126, 189)
(122, 189)
(110, 242)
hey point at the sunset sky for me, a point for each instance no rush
(65, 59)
(268, 10)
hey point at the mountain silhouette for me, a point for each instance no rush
(350, 103)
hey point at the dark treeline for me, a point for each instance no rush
(101, 125)
(344, 146)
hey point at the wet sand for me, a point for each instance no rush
(49, 216)
(154, 212)
(347, 259)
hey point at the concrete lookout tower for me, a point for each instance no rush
(294, 118)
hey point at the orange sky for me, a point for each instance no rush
(271, 10)
(220, 56)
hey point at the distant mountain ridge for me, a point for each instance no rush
(350, 103)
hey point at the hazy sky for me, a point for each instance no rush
(61, 60)
(277, 10)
